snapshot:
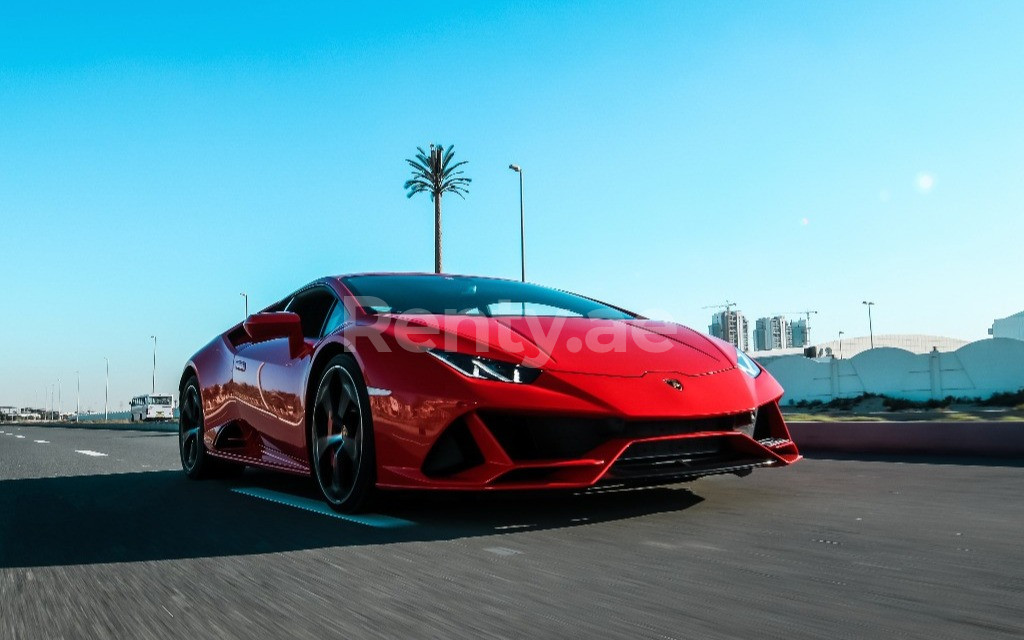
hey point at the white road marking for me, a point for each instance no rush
(503, 551)
(20, 437)
(316, 506)
(95, 454)
(41, 441)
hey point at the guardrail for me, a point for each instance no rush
(167, 427)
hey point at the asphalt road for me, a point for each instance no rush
(121, 545)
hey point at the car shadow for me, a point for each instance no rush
(161, 515)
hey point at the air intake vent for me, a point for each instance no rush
(454, 451)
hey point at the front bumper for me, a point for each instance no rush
(501, 450)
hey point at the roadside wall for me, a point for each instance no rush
(978, 369)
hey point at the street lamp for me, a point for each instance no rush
(60, 402)
(246, 296)
(871, 330)
(106, 391)
(840, 345)
(78, 396)
(522, 221)
(154, 363)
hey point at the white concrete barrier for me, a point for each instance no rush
(976, 370)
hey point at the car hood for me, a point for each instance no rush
(580, 345)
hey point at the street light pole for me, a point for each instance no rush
(154, 363)
(246, 296)
(871, 329)
(78, 396)
(522, 221)
(60, 401)
(840, 345)
(106, 391)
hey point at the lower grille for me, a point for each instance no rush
(681, 458)
(526, 437)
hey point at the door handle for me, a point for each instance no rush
(240, 365)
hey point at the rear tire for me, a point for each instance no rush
(343, 458)
(195, 460)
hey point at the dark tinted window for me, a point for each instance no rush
(336, 319)
(465, 295)
(312, 305)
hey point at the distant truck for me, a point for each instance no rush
(151, 407)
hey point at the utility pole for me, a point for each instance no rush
(106, 391)
(154, 364)
(78, 397)
(246, 296)
(522, 221)
(871, 329)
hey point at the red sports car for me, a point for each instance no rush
(414, 381)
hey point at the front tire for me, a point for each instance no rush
(342, 453)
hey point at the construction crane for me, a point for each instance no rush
(806, 313)
(727, 306)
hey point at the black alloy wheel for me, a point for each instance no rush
(341, 437)
(194, 458)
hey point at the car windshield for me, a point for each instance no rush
(465, 295)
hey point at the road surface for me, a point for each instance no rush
(101, 536)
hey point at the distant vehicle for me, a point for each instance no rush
(151, 407)
(409, 381)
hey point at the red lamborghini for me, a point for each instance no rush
(411, 381)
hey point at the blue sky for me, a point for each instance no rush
(155, 161)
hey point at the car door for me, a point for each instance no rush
(270, 380)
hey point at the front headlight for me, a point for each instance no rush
(744, 362)
(486, 368)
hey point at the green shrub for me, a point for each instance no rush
(1009, 399)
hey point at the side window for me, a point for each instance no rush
(336, 319)
(312, 306)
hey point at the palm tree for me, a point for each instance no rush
(435, 173)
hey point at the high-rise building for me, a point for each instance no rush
(730, 326)
(800, 333)
(771, 333)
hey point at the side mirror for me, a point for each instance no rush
(278, 324)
